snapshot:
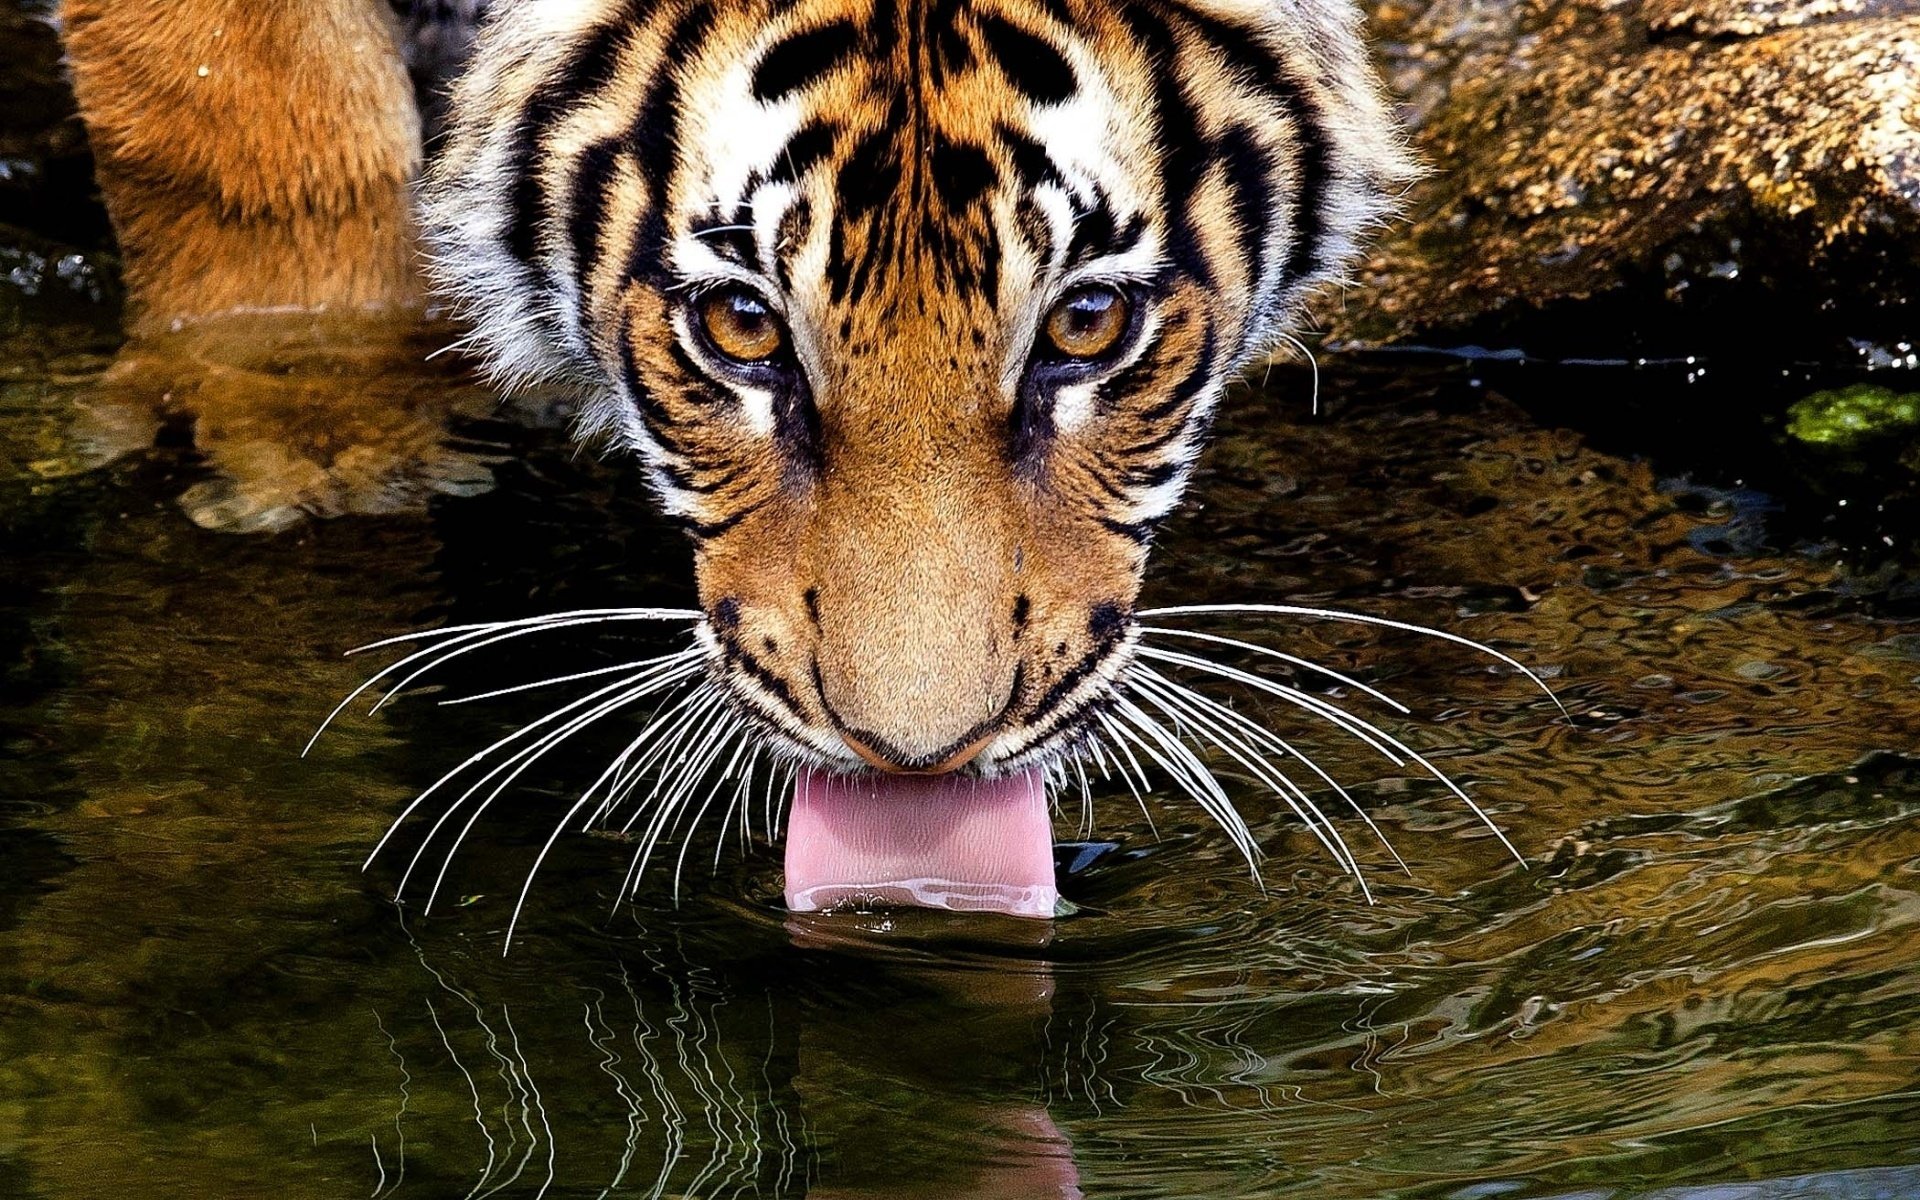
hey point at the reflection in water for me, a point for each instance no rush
(296, 415)
(722, 1084)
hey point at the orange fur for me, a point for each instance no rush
(252, 154)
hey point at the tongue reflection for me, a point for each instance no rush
(927, 841)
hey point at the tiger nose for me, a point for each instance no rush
(898, 714)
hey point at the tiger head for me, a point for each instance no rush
(915, 312)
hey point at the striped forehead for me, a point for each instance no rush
(954, 139)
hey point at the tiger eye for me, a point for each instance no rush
(1088, 322)
(741, 326)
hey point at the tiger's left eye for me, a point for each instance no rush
(1088, 322)
(740, 326)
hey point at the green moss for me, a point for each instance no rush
(1852, 415)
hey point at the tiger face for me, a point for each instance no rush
(915, 312)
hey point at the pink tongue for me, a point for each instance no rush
(926, 841)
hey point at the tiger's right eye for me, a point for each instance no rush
(739, 325)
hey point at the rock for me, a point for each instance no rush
(1689, 173)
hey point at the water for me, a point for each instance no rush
(1707, 983)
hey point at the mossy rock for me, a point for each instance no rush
(1851, 417)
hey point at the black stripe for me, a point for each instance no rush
(1030, 159)
(962, 172)
(593, 175)
(703, 531)
(796, 424)
(1183, 393)
(1089, 663)
(798, 60)
(683, 479)
(1137, 532)
(728, 237)
(1246, 53)
(1249, 171)
(866, 182)
(1182, 147)
(657, 418)
(654, 136)
(766, 678)
(1154, 476)
(790, 234)
(1031, 63)
(810, 143)
(1034, 227)
(586, 69)
(1097, 235)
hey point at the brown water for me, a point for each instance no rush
(1706, 984)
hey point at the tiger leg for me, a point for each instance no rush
(252, 155)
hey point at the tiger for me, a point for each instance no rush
(915, 314)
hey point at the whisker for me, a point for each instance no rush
(560, 827)
(482, 754)
(1291, 659)
(1294, 696)
(526, 759)
(577, 676)
(1334, 614)
(710, 712)
(743, 733)
(491, 640)
(785, 790)
(464, 635)
(1086, 800)
(1297, 799)
(1313, 362)
(1381, 741)
(1121, 746)
(1261, 733)
(617, 771)
(695, 726)
(612, 614)
(1199, 782)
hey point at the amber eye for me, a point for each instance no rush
(1088, 322)
(740, 326)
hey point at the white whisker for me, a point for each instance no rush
(1379, 739)
(560, 827)
(492, 640)
(1122, 746)
(482, 754)
(1191, 773)
(463, 635)
(577, 676)
(1262, 734)
(526, 759)
(1334, 614)
(1339, 716)
(1291, 659)
(1296, 798)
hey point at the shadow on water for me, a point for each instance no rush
(1705, 984)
